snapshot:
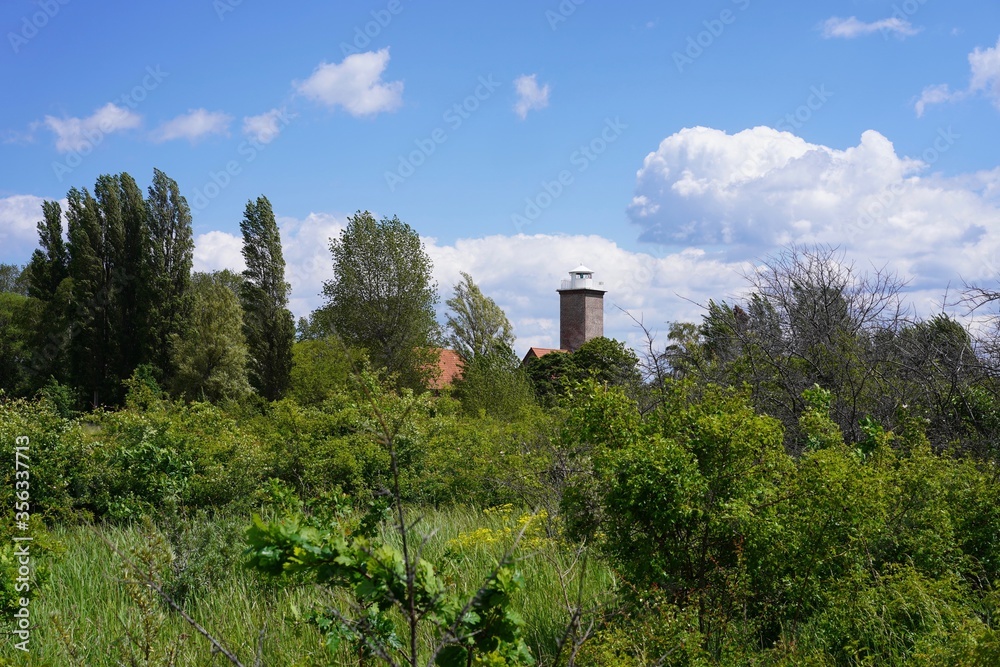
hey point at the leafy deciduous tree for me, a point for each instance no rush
(493, 383)
(382, 296)
(210, 354)
(477, 325)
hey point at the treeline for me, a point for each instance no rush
(119, 299)
(112, 293)
(810, 319)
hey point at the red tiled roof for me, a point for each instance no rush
(449, 368)
(537, 352)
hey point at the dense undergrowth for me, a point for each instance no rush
(681, 535)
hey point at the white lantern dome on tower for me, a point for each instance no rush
(579, 278)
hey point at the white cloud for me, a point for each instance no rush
(529, 95)
(214, 251)
(193, 125)
(306, 248)
(355, 85)
(266, 127)
(850, 28)
(936, 95)
(74, 134)
(19, 216)
(984, 65)
(749, 193)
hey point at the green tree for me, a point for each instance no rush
(493, 383)
(46, 276)
(382, 296)
(210, 353)
(605, 359)
(50, 263)
(92, 244)
(609, 361)
(267, 322)
(13, 279)
(170, 262)
(476, 324)
(135, 298)
(320, 368)
(18, 314)
(551, 375)
(107, 249)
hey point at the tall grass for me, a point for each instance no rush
(89, 614)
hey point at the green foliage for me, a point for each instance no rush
(316, 450)
(267, 322)
(202, 553)
(381, 578)
(848, 555)
(13, 279)
(49, 264)
(551, 375)
(142, 391)
(607, 360)
(61, 397)
(169, 458)
(815, 424)
(171, 257)
(494, 384)
(18, 318)
(382, 296)
(654, 631)
(477, 325)
(112, 297)
(210, 356)
(58, 459)
(321, 368)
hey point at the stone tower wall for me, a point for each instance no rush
(581, 317)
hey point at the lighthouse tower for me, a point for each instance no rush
(581, 309)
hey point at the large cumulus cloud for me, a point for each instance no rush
(749, 193)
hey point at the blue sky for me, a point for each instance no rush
(669, 146)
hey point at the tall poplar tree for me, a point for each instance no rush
(46, 276)
(170, 261)
(92, 292)
(50, 263)
(267, 323)
(135, 296)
